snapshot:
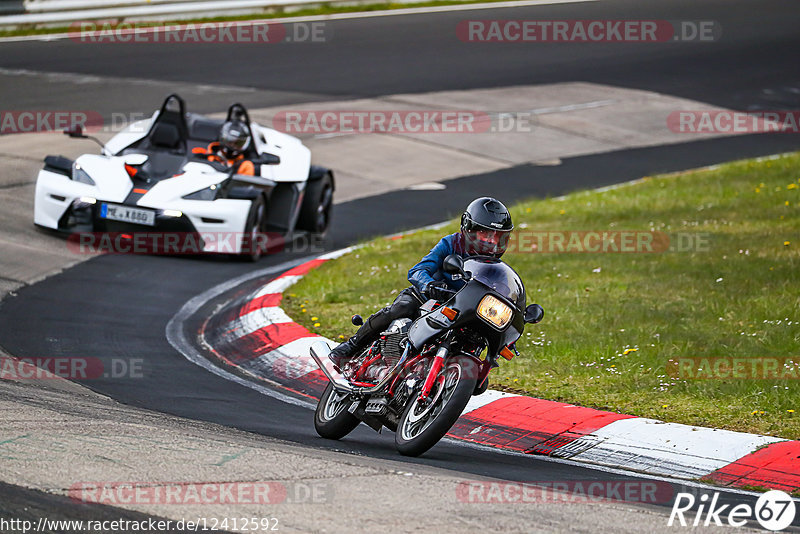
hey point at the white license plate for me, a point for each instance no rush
(128, 214)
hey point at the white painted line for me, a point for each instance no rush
(774, 156)
(336, 253)
(427, 186)
(574, 107)
(332, 135)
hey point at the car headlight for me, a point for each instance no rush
(494, 311)
(79, 175)
(209, 193)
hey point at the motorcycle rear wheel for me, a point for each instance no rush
(331, 419)
(423, 424)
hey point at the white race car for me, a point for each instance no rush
(148, 181)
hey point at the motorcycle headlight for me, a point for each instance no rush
(209, 193)
(494, 311)
(79, 175)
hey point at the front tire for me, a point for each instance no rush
(331, 419)
(422, 425)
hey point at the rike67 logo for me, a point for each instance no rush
(774, 510)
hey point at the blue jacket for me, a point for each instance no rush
(429, 268)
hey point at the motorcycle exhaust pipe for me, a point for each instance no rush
(319, 351)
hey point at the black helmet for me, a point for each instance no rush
(234, 138)
(486, 226)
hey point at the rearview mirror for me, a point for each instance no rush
(533, 314)
(268, 159)
(453, 264)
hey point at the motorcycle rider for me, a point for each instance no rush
(485, 229)
(234, 140)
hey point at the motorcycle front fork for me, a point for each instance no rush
(436, 368)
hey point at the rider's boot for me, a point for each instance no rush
(366, 334)
(344, 352)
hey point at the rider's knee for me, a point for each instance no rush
(403, 308)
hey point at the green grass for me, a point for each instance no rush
(608, 337)
(275, 12)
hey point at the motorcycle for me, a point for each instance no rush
(418, 377)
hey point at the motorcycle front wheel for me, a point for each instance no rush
(424, 423)
(331, 419)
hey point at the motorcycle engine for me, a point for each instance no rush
(393, 341)
(376, 371)
(399, 326)
(390, 346)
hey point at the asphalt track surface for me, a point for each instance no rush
(751, 66)
(118, 306)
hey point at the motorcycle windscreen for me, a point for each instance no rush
(499, 276)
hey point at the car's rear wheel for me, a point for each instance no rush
(315, 214)
(253, 237)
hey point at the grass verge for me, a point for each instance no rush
(617, 324)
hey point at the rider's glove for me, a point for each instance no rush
(438, 291)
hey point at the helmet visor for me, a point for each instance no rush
(487, 242)
(235, 139)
